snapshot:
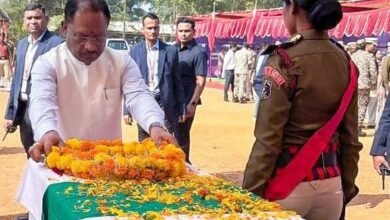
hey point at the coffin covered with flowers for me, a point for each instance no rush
(143, 181)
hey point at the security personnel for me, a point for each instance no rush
(294, 106)
(365, 61)
(351, 47)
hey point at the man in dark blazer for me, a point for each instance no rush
(158, 63)
(39, 41)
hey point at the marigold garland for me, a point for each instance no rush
(114, 160)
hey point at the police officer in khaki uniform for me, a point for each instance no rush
(242, 62)
(365, 61)
(304, 81)
(385, 71)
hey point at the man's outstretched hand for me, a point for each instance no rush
(159, 135)
(44, 145)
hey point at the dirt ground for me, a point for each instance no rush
(222, 137)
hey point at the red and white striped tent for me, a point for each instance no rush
(361, 18)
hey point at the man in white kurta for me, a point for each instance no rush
(83, 101)
(78, 87)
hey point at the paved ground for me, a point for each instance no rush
(222, 138)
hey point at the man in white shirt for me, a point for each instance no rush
(228, 68)
(78, 87)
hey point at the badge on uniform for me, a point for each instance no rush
(266, 92)
(274, 74)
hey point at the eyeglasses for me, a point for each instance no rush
(99, 40)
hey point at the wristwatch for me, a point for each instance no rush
(156, 124)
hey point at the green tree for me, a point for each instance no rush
(269, 4)
(132, 12)
(14, 9)
(168, 10)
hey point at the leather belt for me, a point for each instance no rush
(326, 159)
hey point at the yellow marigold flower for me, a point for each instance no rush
(100, 157)
(56, 149)
(115, 150)
(76, 166)
(148, 143)
(137, 163)
(86, 166)
(162, 164)
(121, 161)
(101, 148)
(140, 150)
(149, 162)
(176, 169)
(74, 144)
(52, 159)
(129, 148)
(65, 162)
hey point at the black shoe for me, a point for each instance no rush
(371, 126)
(243, 100)
(235, 100)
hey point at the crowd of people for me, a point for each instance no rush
(306, 151)
(241, 62)
(237, 66)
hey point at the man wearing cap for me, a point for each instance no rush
(351, 48)
(365, 62)
(243, 62)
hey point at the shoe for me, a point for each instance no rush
(362, 133)
(235, 100)
(243, 100)
(226, 99)
(371, 126)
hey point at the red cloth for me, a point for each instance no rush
(288, 178)
(4, 53)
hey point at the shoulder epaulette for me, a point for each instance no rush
(292, 41)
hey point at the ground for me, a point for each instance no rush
(222, 137)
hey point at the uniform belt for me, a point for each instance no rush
(328, 159)
(325, 167)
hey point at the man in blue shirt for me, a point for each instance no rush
(193, 69)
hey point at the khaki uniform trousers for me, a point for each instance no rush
(316, 200)
(363, 98)
(4, 69)
(240, 85)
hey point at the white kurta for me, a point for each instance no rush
(84, 101)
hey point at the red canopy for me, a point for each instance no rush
(269, 23)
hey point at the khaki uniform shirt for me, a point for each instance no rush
(243, 61)
(365, 62)
(296, 102)
(385, 70)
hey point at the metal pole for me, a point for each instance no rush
(124, 20)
